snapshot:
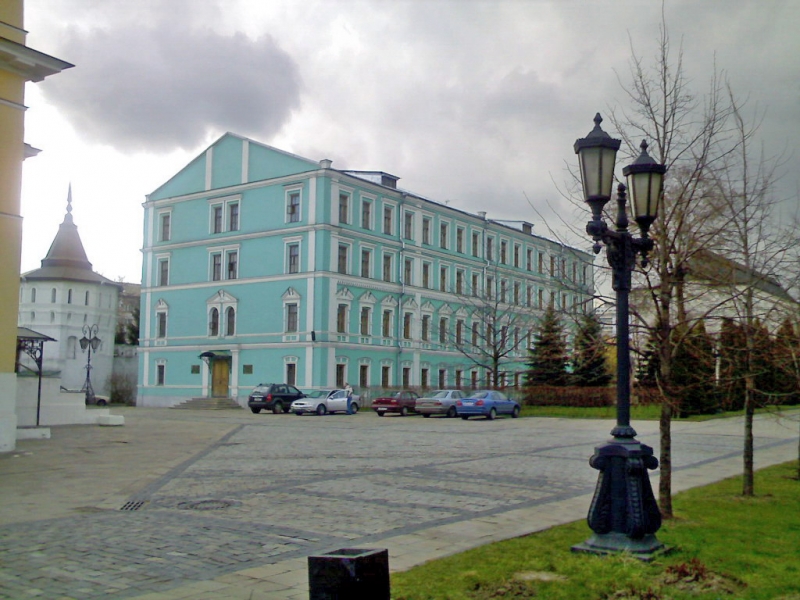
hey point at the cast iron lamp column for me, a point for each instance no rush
(89, 342)
(624, 515)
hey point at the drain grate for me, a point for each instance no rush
(133, 505)
(206, 505)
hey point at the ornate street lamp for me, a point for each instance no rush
(89, 342)
(623, 515)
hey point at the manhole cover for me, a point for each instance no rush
(205, 505)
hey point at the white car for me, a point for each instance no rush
(439, 402)
(324, 401)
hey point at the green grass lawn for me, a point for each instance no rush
(723, 546)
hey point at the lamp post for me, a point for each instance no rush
(623, 515)
(89, 342)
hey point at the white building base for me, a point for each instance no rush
(56, 407)
(8, 417)
(33, 433)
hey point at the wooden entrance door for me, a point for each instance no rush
(220, 375)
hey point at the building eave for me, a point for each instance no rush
(29, 63)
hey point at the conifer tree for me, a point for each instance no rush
(693, 384)
(547, 361)
(589, 365)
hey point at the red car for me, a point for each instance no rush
(402, 402)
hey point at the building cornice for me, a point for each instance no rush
(27, 62)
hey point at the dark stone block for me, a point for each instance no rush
(348, 574)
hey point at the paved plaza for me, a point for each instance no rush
(227, 504)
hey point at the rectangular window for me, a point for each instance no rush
(233, 264)
(217, 219)
(386, 323)
(503, 289)
(366, 214)
(529, 259)
(293, 207)
(163, 271)
(341, 264)
(406, 377)
(552, 266)
(426, 328)
(161, 326)
(407, 326)
(363, 376)
(408, 225)
(387, 267)
(233, 216)
(474, 380)
(426, 275)
(458, 379)
(365, 320)
(386, 373)
(443, 279)
(426, 230)
(387, 220)
(574, 271)
(344, 208)
(459, 332)
(516, 292)
(475, 285)
(460, 239)
(340, 375)
(489, 248)
(442, 330)
(291, 373)
(165, 223)
(504, 252)
(408, 271)
(293, 258)
(490, 287)
(442, 378)
(529, 297)
(216, 267)
(476, 244)
(366, 256)
(423, 378)
(459, 282)
(475, 332)
(443, 235)
(516, 255)
(161, 372)
(341, 318)
(540, 299)
(291, 318)
(541, 263)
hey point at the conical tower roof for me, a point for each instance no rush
(66, 258)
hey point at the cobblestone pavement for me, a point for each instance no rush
(265, 489)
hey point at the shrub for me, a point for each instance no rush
(123, 389)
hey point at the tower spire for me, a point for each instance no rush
(68, 216)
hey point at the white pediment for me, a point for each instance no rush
(445, 310)
(389, 301)
(462, 312)
(428, 307)
(222, 297)
(161, 305)
(368, 298)
(411, 304)
(290, 294)
(344, 294)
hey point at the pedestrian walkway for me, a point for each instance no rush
(229, 505)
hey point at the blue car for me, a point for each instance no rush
(487, 403)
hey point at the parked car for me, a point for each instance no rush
(325, 401)
(277, 397)
(487, 403)
(440, 402)
(401, 402)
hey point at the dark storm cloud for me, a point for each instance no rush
(165, 87)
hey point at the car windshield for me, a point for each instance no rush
(481, 394)
(318, 393)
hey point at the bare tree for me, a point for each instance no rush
(689, 135)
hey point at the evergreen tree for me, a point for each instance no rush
(787, 361)
(547, 359)
(732, 348)
(589, 365)
(692, 381)
(647, 367)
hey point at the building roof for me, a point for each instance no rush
(66, 259)
(718, 270)
(23, 333)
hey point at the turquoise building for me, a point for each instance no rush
(263, 266)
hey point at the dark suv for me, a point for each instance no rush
(276, 397)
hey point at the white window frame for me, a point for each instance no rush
(224, 203)
(289, 191)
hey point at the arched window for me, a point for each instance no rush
(33, 316)
(86, 298)
(69, 296)
(33, 294)
(213, 322)
(53, 295)
(230, 321)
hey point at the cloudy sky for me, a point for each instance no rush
(472, 102)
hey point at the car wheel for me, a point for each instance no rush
(255, 411)
(321, 409)
(276, 408)
(515, 412)
(353, 408)
(492, 414)
(451, 412)
(380, 414)
(102, 402)
(426, 415)
(404, 411)
(464, 417)
(299, 413)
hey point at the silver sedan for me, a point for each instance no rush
(440, 402)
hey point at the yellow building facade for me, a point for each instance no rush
(18, 65)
